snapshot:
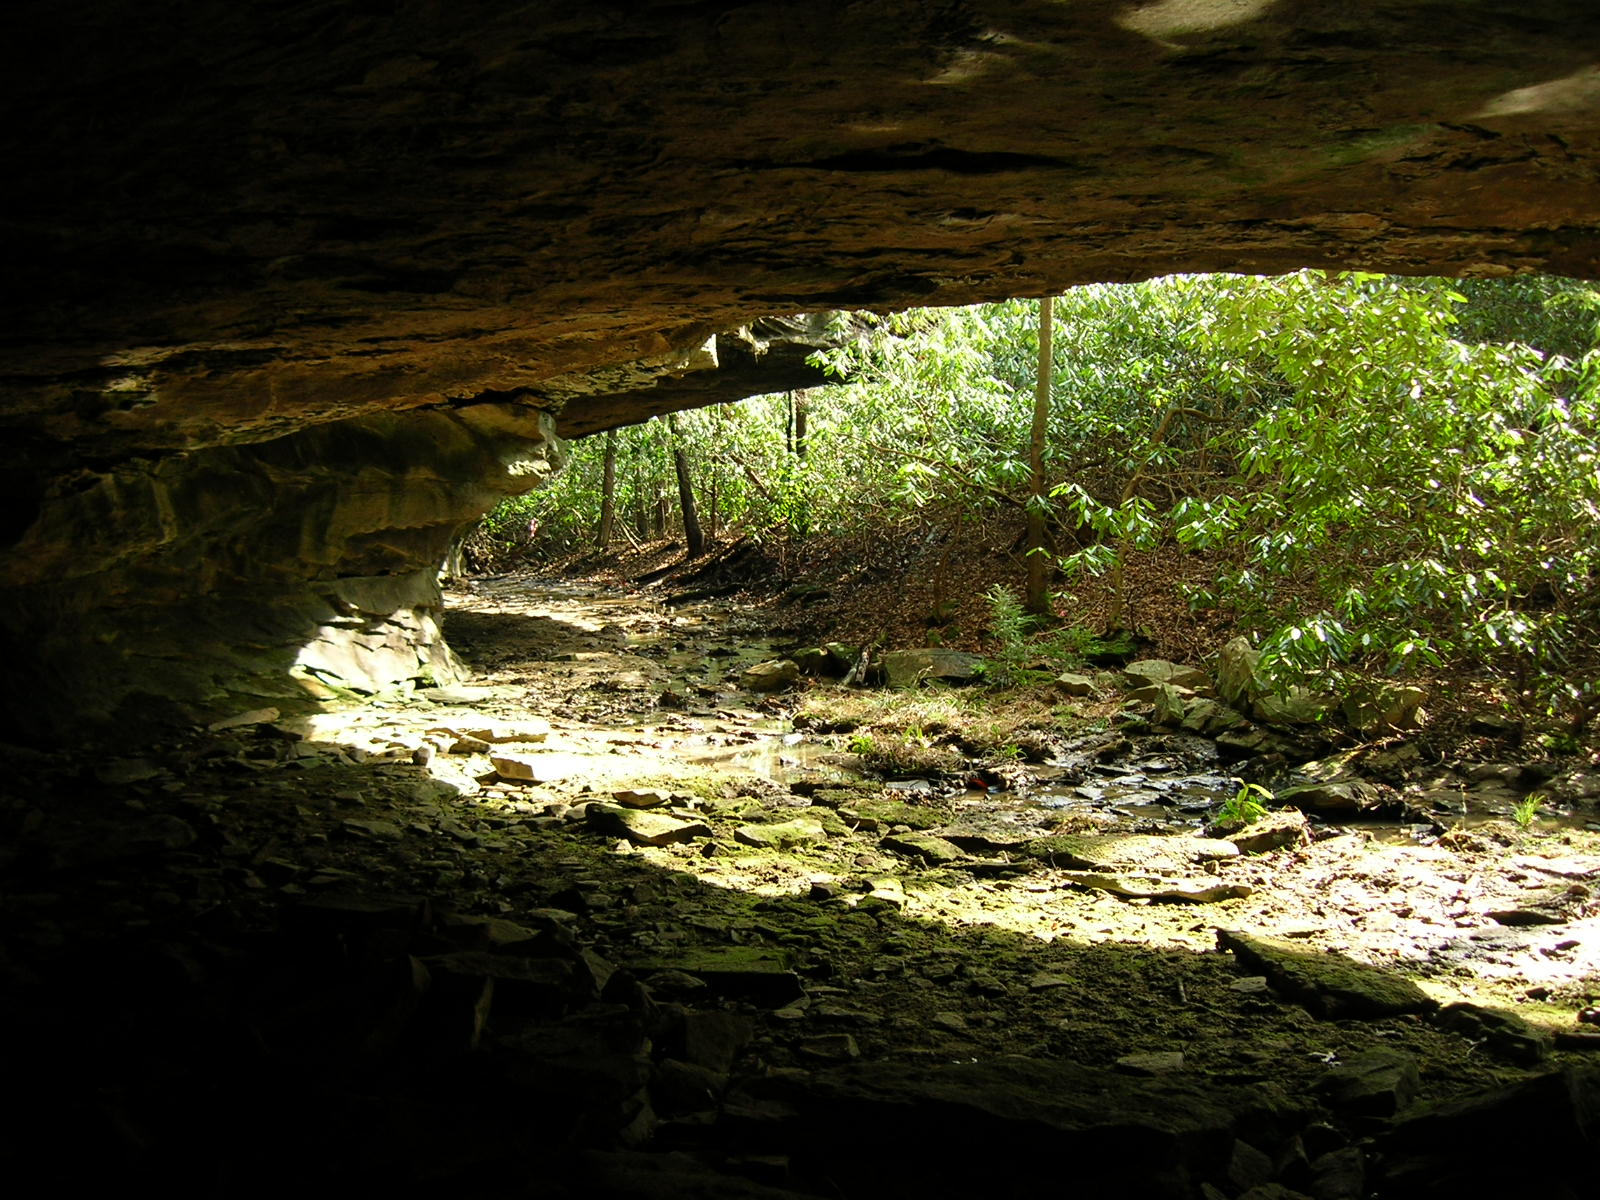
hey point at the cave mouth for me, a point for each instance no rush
(300, 289)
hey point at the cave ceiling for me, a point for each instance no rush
(227, 221)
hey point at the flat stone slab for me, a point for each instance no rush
(987, 831)
(770, 676)
(781, 835)
(524, 729)
(757, 973)
(1329, 985)
(930, 849)
(1122, 851)
(643, 797)
(470, 693)
(1193, 891)
(536, 768)
(645, 828)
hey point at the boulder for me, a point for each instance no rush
(1341, 796)
(771, 676)
(1376, 706)
(1211, 717)
(1237, 681)
(1147, 671)
(907, 668)
(1074, 684)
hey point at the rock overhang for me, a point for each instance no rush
(247, 240)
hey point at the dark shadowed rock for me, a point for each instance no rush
(878, 1124)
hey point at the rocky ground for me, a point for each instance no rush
(609, 922)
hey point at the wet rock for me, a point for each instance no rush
(644, 828)
(384, 830)
(907, 668)
(1377, 1083)
(782, 835)
(1329, 985)
(1504, 1034)
(982, 831)
(933, 850)
(771, 676)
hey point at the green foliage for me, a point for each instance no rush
(1525, 810)
(862, 744)
(1246, 806)
(1385, 475)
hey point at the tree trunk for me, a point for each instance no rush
(692, 533)
(799, 400)
(800, 512)
(608, 492)
(1037, 599)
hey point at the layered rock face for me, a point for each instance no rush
(296, 289)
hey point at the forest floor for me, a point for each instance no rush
(607, 802)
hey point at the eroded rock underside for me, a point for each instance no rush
(299, 289)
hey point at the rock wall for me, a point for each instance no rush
(285, 572)
(265, 259)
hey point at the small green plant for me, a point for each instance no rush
(1525, 810)
(1009, 622)
(862, 744)
(1246, 806)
